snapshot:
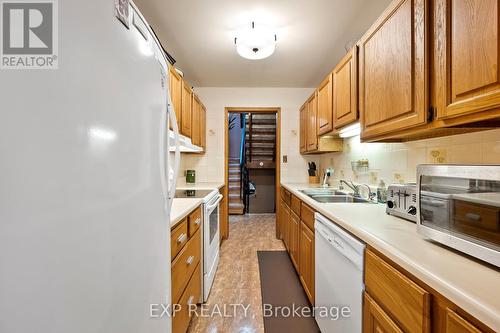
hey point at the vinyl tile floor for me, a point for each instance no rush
(237, 281)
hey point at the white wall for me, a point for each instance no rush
(210, 166)
(397, 162)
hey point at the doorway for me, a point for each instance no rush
(252, 159)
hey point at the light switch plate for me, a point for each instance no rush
(285, 158)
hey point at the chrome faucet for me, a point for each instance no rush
(326, 174)
(354, 188)
(371, 195)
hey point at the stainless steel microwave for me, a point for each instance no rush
(459, 206)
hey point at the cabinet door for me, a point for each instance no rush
(345, 90)
(195, 121)
(286, 226)
(457, 324)
(375, 320)
(186, 109)
(393, 70)
(175, 85)
(203, 126)
(466, 57)
(303, 128)
(294, 239)
(306, 260)
(312, 137)
(325, 106)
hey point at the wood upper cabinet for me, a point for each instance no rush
(311, 132)
(203, 126)
(345, 90)
(303, 128)
(186, 109)
(325, 106)
(466, 56)
(196, 121)
(393, 83)
(175, 86)
(306, 260)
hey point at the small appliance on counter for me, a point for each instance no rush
(459, 206)
(190, 176)
(402, 201)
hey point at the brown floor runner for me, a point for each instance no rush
(280, 286)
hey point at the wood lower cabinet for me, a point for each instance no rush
(393, 71)
(294, 238)
(186, 268)
(375, 320)
(296, 225)
(345, 90)
(306, 260)
(396, 301)
(466, 54)
(175, 85)
(325, 106)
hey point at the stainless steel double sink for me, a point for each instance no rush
(326, 195)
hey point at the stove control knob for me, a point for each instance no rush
(412, 210)
(391, 204)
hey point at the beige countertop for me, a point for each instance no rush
(181, 207)
(472, 285)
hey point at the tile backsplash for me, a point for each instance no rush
(397, 162)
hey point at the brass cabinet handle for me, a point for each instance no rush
(181, 238)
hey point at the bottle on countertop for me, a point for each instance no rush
(381, 192)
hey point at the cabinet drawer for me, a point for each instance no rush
(191, 295)
(184, 265)
(194, 221)
(455, 323)
(178, 238)
(295, 204)
(307, 216)
(391, 289)
(286, 196)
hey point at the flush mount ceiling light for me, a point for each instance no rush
(255, 43)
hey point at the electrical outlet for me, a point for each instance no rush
(285, 158)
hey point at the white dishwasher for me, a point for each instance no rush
(338, 278)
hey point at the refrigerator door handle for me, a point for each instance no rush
(177, 158)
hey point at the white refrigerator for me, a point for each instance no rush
(84, 193)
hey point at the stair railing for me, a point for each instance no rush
(242, 154)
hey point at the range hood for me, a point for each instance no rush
(185, 144)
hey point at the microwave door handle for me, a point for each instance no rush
(219, 198)
(433, 203)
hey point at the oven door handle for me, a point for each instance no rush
(212, 206)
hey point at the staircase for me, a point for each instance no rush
(236, 206)
(260, 141)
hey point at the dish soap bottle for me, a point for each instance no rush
(381, 192)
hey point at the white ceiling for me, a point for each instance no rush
(312, 35)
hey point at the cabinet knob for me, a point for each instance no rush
(181, 238)
(190, 260)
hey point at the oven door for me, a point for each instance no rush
(211, 242)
